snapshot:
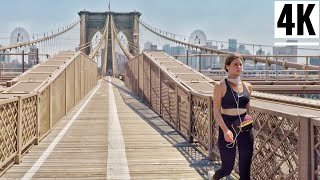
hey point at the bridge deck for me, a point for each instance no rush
(112, 138)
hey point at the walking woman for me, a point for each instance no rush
(231, 112)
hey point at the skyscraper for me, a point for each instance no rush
(232, 45)
(242, 49)
(2, 57)
(147, 45)
(315, 61)
(32, 57)
(153, 47)
(166, 48)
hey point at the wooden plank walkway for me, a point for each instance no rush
(105, 138)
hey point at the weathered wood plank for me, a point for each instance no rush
(151, 150)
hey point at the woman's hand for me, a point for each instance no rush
(228, 136)
(247, 118)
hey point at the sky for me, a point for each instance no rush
(249, 21)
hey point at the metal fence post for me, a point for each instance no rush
(74, 79)
(210, 128)
(143, 73)
(306, 68)
(138, 77)
(190, 128)
(267, 68)
(187, 61)
(22, 61)
(50, 106)
(200, 61)
(37, 56)
(38, 121)
(315, 122)
(17, 159)
(150, 83)
(304, 147)
(160, 93)
(319, 69)
(177, 107)
(276, 69)
(65, 91)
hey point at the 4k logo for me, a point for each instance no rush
(296, 19)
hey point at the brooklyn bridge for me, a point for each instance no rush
(81, 114)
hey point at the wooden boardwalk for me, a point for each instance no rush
(112, 135)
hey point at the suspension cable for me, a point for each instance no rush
(248, 57)
(125, 50)
(41, 39)
(96, 49)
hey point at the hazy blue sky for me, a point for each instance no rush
(249, 21)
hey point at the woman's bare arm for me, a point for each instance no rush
(248, 107)
(217, 95)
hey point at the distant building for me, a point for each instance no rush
(287, 50)
(32, 57)
(175, 50)
(147, 45)
(4, 58)
(193, 60)
(153, 47)
(232, 45)
(315, 61)
(166, 48)
(210, 62)
(260, 52)
(242, 49)
(209, 44)
(178, 50)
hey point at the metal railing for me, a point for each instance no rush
(25, 119)
(295, 71)
(284, 143)
(9, 71)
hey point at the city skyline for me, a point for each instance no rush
(245, 21)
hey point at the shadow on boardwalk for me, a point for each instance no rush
(190, 151)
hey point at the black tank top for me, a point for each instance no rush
(228, 100)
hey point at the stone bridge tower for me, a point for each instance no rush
(95, 21)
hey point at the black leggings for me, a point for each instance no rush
(245, 149)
